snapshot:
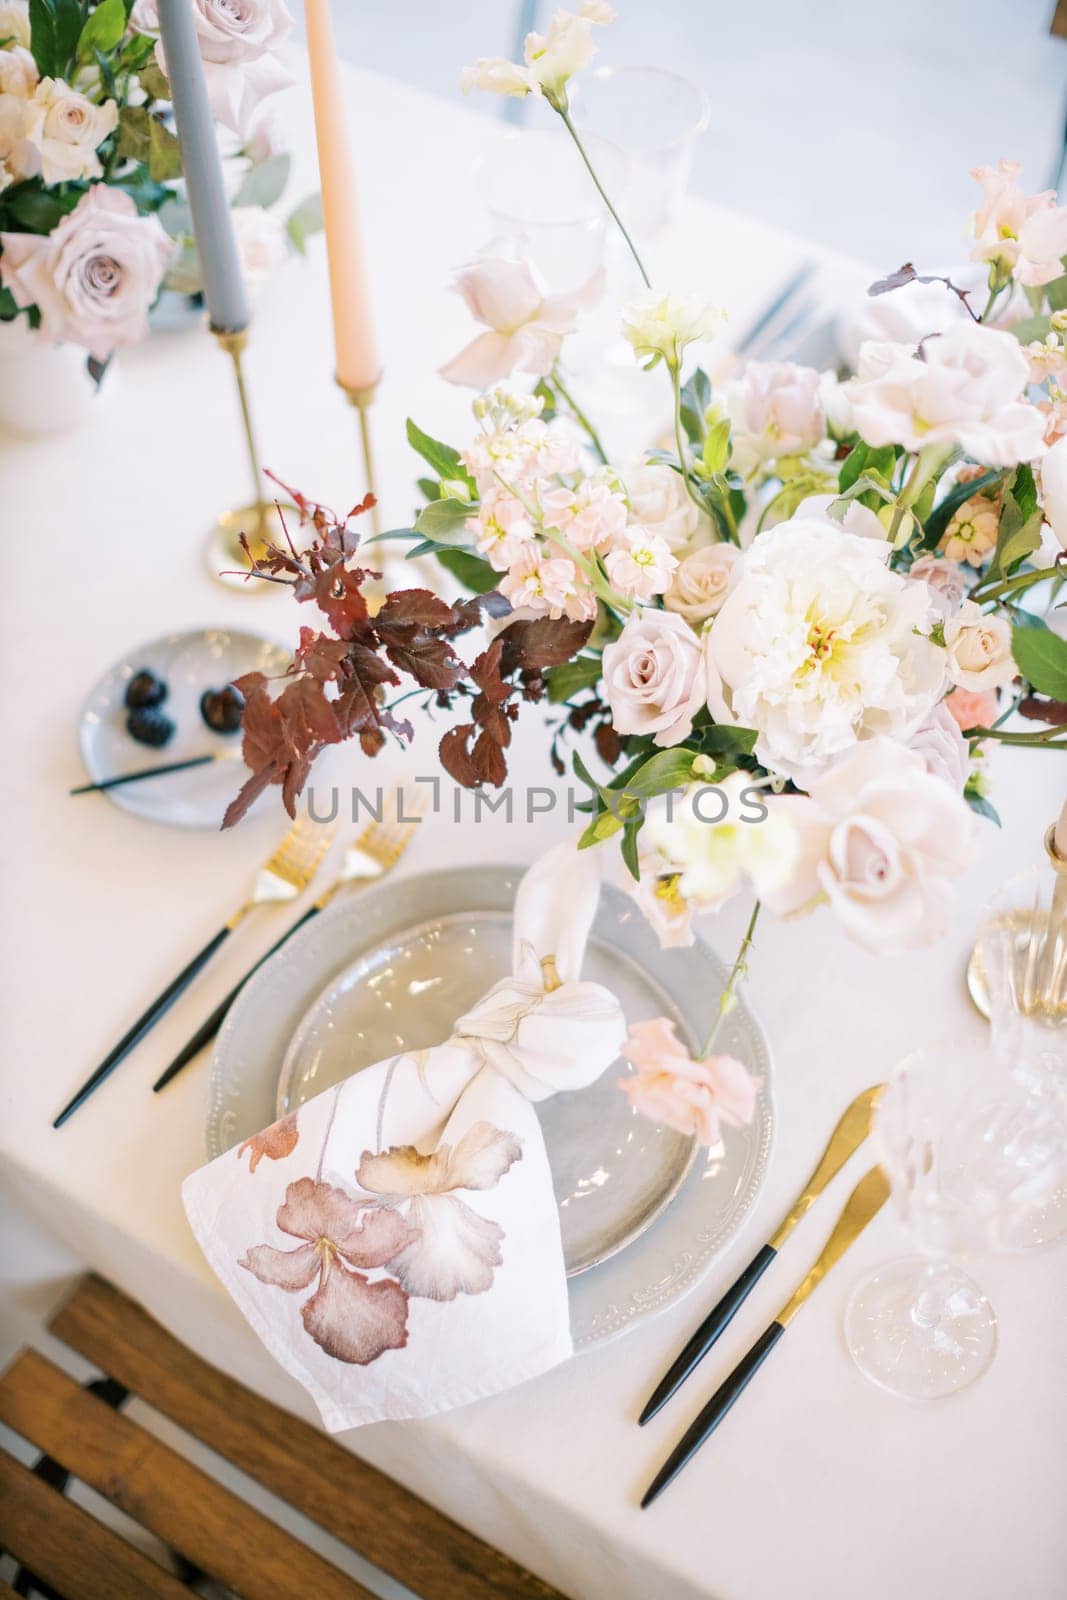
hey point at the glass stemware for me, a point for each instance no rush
(969, 1154)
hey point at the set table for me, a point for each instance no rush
(819, 1486)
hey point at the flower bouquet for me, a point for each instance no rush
(793, 634)
(92, 219)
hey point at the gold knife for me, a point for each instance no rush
(852, 1128)
(865, 1201)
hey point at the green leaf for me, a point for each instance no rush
(134, 134)
(696, 398)
(722, 740)
(1019, 530)
(666, 770)
(442, 517)
(36, 209)
(570, 677)
(1056, 293)
(429, 488)
(629, 845)
(9, 307)
(55, 28)
(981, 805)
(262, 185)
(103, 28)
(146, 194)
(305, 220)
(1030, 329)
(716, 453)
(547, 396)
(1024, 489)
(944, 512)
(154, 82)
(866, 459)
(471, 571)
(164, 152)
(1041, 657)
(441, 457)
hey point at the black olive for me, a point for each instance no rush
(149, 725)
(145, 688)
(222, 709)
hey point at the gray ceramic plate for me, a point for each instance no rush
(392, 968)
(206, 658)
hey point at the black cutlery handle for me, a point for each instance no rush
(211, 1024)
(713, 1412)
(144, 1024)
(137, 777)
(712, 1326)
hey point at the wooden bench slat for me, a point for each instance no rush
(64, 1546)
(162, 1491)
(372, 1513)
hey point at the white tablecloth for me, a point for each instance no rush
(819, 1486)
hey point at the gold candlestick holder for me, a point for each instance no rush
(361, 401)
(259, 520)
(1040, 938)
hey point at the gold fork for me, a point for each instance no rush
(376, 851)
(289, 870)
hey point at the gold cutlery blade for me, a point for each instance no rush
(864, 1203)
(852, 1129)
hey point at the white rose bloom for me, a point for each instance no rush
(663, 324)
(19, 158)
(817, 647)
(716, 836)
(15, 22)
(18, 71)
(702, 582)
(967, 388)
(660, 501)
(978, 649)
(261, 244)
(67, 129)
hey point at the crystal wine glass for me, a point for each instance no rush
(953, 1135)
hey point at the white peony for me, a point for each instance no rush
(660, 501)
(67, 129)
(966, 389)
(664, 324)
(820, 645)
(880, 839)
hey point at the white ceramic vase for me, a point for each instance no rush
(44, 388)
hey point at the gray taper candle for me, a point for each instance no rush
(220, 268)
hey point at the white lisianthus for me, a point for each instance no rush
(1021, 234)
(967, 388)
(525, 325)
(661, 325)
(261, 245)
(640, 565)
(716, 836)
(551, 59)
(15, 22)
(978, 649)
(1054, 490)
(775, 410)
(498, 75)
(820, 645)
(703, 580)
(660, 502)
(880, 839)
(67, 130)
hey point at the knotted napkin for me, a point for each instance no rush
(395, 1242)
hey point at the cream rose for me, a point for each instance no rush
(67, 129)
(659, 502)
(18, 71)
(880, 839)
(654, 676)
(978, 649)
(702, 582)
(94, 277)
(15, 22)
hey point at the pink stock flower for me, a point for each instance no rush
(1024, 234)
(672, 1088)
(502, 528)
(541, 583)
(525, 326)
(591, 516)
(641, 564)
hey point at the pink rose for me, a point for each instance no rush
(1024, 234)
(526, 326)
(970, 709)
(238, 40)
(673, 1089)
(655, 679)
(967, 388)
(880, 839)
(943, 748)
(94, 277)
(946, 581)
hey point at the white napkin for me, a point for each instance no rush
(395, 1243)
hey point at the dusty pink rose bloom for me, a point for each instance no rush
(348, 1316)
(967, 389)
(238, 42)
(1025, 233)
(94, 277)
(971, 709)
(525, 326)
(452, 1250)
(880, 839)
(943, 748)
(673, 1089)
(655, 677)
(946, 581)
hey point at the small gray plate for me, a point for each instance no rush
(389, 968)
(206, 658)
